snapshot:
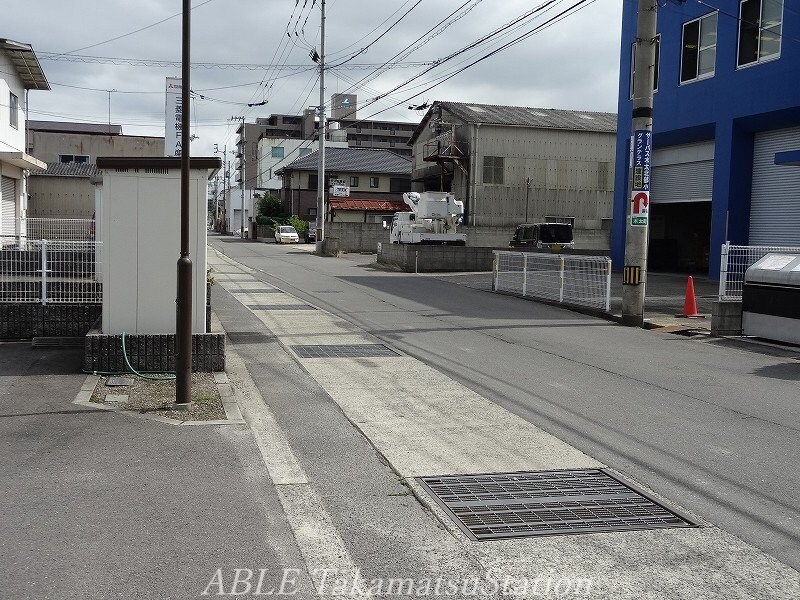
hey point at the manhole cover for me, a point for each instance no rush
(249, 337)
(280, 307)
(343, 351)
(120, 381)
(509, 505)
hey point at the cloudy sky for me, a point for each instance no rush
(258, 50)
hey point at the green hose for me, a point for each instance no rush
(165, 377)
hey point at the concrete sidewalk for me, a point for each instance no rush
(100, 505)
(333, 411)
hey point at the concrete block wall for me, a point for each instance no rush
(354, 237)
(432, 259)
(364, 237)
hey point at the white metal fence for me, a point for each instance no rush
(56, 229)
(569, 279)
(735, 260)
(48, 271)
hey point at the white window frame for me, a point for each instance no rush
(759, 60)
(13, 104)
(700, 49)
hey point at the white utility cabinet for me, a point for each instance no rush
(139, 227)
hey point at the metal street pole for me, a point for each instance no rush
(636, 225)
(321, 155)
(183, 329)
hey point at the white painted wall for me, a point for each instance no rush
(267, 165)
(141, 244)
(11, 139)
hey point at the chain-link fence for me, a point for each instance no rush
(48, 271)
(735, 260)
(576, 280)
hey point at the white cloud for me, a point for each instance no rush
(573, 64)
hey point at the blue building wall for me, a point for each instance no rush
(729, 107)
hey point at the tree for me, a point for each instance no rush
(268, 205)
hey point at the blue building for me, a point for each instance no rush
(726, 120)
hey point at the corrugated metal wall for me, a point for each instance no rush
(775, 200)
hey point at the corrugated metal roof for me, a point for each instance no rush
(522, 116)
(26, 64)
(57, 169)
(70, 127)
(362, 204)
(355, 160)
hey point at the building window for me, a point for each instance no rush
(354, 182)
(13, 103)
(566, 220)
(304, 151)
(312, 181)
(492, 169)
(73, 158)
(358, 142)
(699, 50)
(655, 67)
(277, 152)
(374, 182)
(760, 28)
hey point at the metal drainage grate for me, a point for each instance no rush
(509, 505)
(280, 307)
(343, 351)
(249, 337)
(58, 342)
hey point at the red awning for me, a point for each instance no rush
(388, 206)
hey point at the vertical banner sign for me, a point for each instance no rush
(640, 193)
(173, 115)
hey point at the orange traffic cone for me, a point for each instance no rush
(689, 302)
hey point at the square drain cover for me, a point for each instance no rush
(250, 337)
(510, 505)
(343, 351)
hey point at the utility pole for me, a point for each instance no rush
(243, 142)
(183, 328)
(634, 277)
(321, 156)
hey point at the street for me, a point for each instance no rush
(709, 424)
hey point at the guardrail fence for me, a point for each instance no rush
(735, 260)
(50, 271)
(576, 280)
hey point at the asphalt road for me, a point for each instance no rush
(710, 424)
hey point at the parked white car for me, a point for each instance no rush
(286, 234)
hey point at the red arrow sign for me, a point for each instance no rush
(640, 203)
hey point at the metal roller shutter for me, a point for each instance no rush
(683, 173)
(8, 206)
(775, 199)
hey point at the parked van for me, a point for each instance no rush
(543, 235)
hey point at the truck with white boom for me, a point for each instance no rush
(433, 219)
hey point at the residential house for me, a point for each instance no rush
(20, 72)
(726, 132)
(62, 189)
(375, 182)
(512, 164)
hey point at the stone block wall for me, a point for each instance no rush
(30, 320)
(151, 353)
